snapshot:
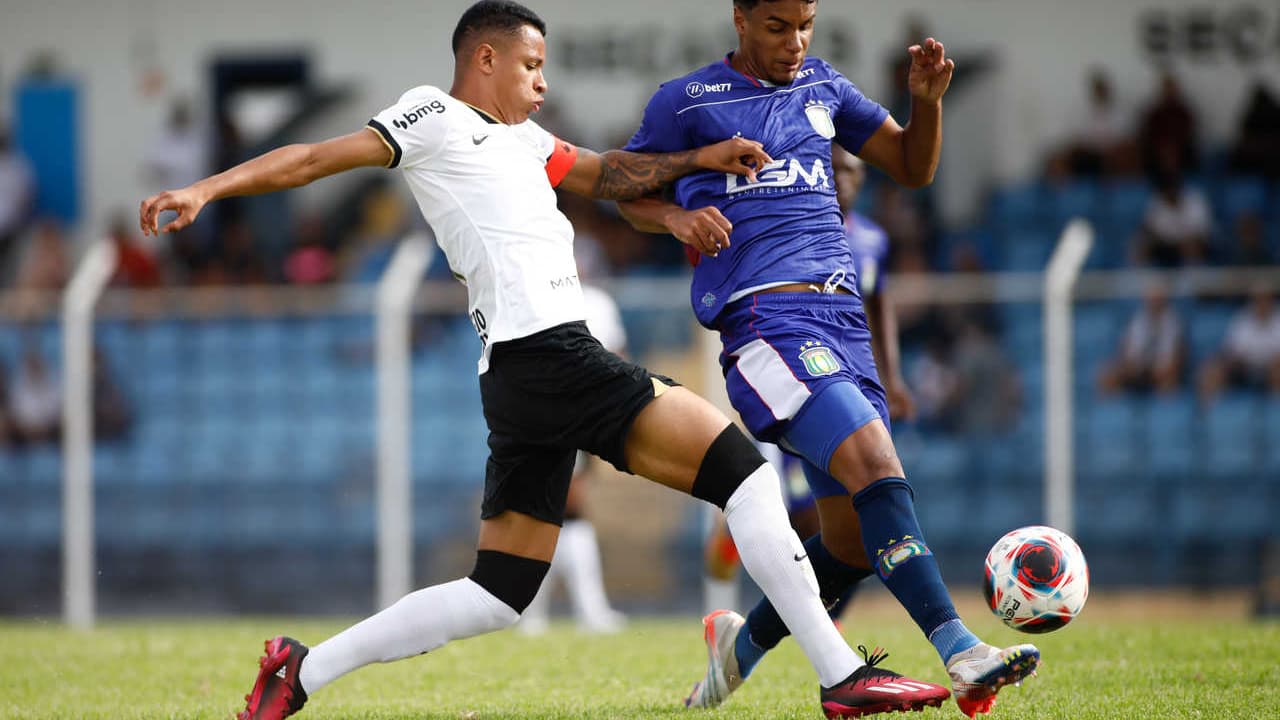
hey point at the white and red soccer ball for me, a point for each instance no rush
(1036, 579)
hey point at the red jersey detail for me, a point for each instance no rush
(692, 255)
(561, 161)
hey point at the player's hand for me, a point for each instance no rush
(737, 155)
(705, 229)
(902, 405)
(187, 202)
(931, 70)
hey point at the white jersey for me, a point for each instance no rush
(483, 188)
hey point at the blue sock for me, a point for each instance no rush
(765, 629)
(747, 652)
(906, 566)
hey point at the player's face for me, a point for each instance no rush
(518, 74)
(850, 174)
(775, 37)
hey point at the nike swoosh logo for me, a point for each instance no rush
(477, 139)
(798, 558)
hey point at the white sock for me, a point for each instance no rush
(419, 622)
(578, 554)
(777, 561)
(719, 594)
(537, 617)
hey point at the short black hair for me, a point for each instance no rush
(502, 16)
(751, 4)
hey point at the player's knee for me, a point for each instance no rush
(730, 459)
(510, 578)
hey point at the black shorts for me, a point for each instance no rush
(545, 397)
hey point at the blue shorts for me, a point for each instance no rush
(800, 371)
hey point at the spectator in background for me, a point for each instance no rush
(1257, 151)
(987, 392)
(112, 415)
(43, 269)
(17, 192)
(1168, 131)
(178, 155)
(136, 267)
(6, 425)
(1176, 228)
(35, 403)
(934, 382)
(1249, 247)
(1152, 351)
(1101, 145)
(237, 261)
(1250, 355)
(384, 220)
(310, 262)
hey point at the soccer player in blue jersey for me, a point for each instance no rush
(776, 279)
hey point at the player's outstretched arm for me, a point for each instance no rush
(622, 175)
(910, 155)
(705, 229)
(286, 167)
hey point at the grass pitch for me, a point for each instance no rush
(1106, 665)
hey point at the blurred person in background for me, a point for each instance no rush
(577, 559)
(6, 423)
(136, 266)
(775, 278)
(44, 266)
(988, 395)
(310, 262)
(1248, 246)
(1257, 149)
(112, 413)
(1102, 144)
(1178, 222)
(1152, 351)
(484, 176)
(179, 154)
(35, 399)
(1250, 355)
(1167, 132)
(17, 194)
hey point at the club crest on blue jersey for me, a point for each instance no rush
(818, 359)
(820, 118)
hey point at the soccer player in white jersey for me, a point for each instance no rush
(483, 174)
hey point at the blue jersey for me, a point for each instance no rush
(869, 245)
(787, 226)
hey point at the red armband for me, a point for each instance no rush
(561, 161)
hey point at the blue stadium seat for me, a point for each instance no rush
(1027, 249)
(1170, 438)
(1075, 199)
(1207, 327)
(1237, 196)
(1125, 205)
(1270, 429)
(1231, 447)
(1018, 205)
(1108, 449)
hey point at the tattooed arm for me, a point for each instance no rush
(621, 175)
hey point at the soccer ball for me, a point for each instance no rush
(1036, 579)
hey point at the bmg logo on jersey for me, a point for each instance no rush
(416, 114)
(780, 174)
(697, 89)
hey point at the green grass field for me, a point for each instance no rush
(1107, 666)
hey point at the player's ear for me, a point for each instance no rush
(739, 20)
(485, 58)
